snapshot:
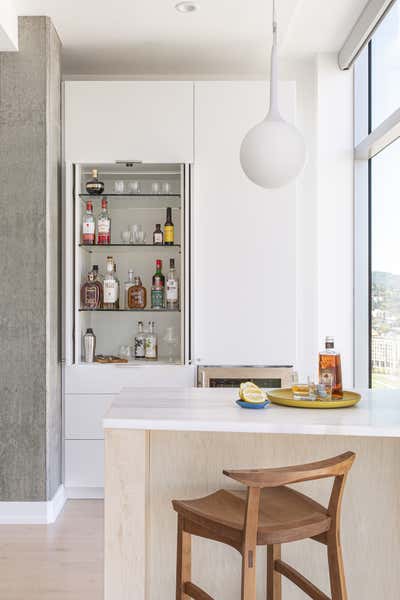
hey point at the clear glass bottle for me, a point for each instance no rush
(158, 237)
(92, 291)
(172, 287)
(88, 226)
(158, 288)
(151, 345)
(127, 284)
(330, 364)
(111, 286)
(137, 295)
(104, 225)
(94, 186)
(140, 341)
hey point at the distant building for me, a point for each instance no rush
(385, 354)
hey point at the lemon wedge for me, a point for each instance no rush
(249, 392)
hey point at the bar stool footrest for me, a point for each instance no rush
(298, 579)
(193, 591)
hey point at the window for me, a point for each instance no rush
(377, 207)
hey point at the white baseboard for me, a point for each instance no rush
(85, 493)
(33, 513)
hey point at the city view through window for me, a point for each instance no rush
(385, 208)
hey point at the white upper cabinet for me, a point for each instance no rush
(244, 275)
(149, 121)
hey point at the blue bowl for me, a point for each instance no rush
(251, 405)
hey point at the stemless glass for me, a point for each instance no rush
(155, 187)
(119, 186)
(166, 188)
(134, 187)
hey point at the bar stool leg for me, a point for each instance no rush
(336, 568)
(274, 579)
(183, 560)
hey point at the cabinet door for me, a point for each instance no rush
(245, 239)
(149, 121)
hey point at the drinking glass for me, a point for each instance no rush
(134, 187)
(155, 187)
(139, 237)
(119, 186)
(166, 187)
(126, 236)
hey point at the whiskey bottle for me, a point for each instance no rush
(151, 345)
(137, 295)
(111, 287)
(88, 225)
(330, 365)
(140, 340)
(158, 288)
(172, 287)
(169, 229)
(158, 236)
(104, 225)
(92, 291)
(127, 284)
(94, 186)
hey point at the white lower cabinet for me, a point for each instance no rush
(84, 468)
(84, 414)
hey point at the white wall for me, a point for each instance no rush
(8, 27)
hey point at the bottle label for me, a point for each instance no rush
(88, 231)
(157, 298)
(151, 347)
(172, 290)
(91, 296)
(110, 291)
(169, 234)
(139, 347)
(158, 238)
(103, 225)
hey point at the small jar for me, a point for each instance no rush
(137, 295)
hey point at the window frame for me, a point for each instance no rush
(368, 142)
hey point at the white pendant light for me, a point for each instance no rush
(273, 152)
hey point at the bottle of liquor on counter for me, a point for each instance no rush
(158, 288)
(88, 225)
(104, 225)
(137, 295)
(94, 186)
(169, 229)
(140, 341)
(111, 287)
(172, 287)
(151, 345)
(330, 367)
(92, 291)
(127, 284)
(158, 236)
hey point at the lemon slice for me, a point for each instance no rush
(249, 392)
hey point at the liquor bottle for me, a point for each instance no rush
(137, 295)
(94, 186)
(111, 287)
(151, 345)
(104, 225)
(330, 364)
(169, 229)
(140, 340)
(88, 225)
(158, 236)
(92, 291)
(158, 288)
(172, 287)
(127, 284)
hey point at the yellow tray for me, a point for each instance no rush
(285, 397)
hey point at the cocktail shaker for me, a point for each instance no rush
(89, 346)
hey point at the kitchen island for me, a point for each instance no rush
(173, 443)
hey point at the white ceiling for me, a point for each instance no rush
(224, 37)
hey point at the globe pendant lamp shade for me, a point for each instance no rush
(273, 152)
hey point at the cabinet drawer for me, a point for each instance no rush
(84, 414)
(84, 463)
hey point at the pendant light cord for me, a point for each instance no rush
(273, 105)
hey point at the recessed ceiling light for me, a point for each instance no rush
(186, 7)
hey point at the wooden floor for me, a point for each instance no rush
(62, 561)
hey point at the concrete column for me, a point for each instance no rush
(30, 375)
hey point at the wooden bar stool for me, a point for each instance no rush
(270, 514)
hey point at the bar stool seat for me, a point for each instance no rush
(268, 513)
(284, 515)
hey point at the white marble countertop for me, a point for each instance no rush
(214, 409)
